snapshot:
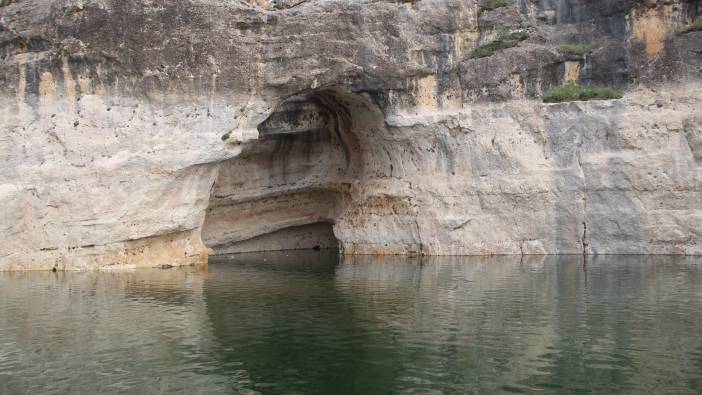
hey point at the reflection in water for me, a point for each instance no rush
(306, 322)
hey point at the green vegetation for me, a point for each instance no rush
(632, 75)
(576, 49)
(695, 26)
(488, 5)
(225, 136)
(575, 92)
(503, 40)
(5, 2)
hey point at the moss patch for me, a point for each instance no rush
(489, 5)
(575, 49)
(503, 40)
(575, 92)
(225, 137)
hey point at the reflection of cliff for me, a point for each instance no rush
(550, 323)
(289, 328)
(305, 322)
(486, 321)
(138, 332)
(636, 319)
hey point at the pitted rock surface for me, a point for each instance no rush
(152, 132)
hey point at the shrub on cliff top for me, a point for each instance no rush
(489, 5)
(503, 40)
(576, 49)
(575, 92)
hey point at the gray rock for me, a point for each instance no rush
(366, 117)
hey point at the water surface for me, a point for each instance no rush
(306, 323)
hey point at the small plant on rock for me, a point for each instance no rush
(503, 40)
(575, 92)
(225, 136)
(489, 5)
(575, 49)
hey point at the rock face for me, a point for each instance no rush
(142, 133)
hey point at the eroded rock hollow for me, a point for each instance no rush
(143, 133)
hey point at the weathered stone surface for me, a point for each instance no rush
(133, 131)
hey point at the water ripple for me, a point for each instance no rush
(305, 323)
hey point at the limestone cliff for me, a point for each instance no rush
(149, 132)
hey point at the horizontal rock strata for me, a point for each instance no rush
(143, 133)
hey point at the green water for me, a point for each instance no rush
(307, 323)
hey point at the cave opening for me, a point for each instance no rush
(288, 189)
(315, 237)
